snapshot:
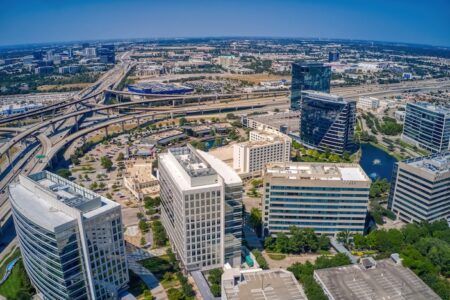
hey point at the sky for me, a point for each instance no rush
(40, 21)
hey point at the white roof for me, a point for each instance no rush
(226, 172)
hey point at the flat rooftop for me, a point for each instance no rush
(325, 96)
(317, 171)
(270, 284)
(434, 164)
(435, 108)
(165, 134)
(48, 199)
(387, 280)
(140, 172)
(192, 162)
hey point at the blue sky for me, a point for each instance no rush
(34, 21)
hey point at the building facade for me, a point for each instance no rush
(421, 188)
(70, 238)
(263, 147)
(368, 103)
(201, 211)
(312, 76)
(329, 198)
(327, 122)
(427, 126)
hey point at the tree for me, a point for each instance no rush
(120, 157)
(65, 173)
(143, 226)
(175, 294)
(344, 237)
(106, 163)
(94, 186)
(74, 159)
(255, 219)
(159, 234)
(147, 295)
(282, 243)
(216, 290)
(182, 121)
(215, 276)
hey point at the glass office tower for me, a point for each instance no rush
(427, 126)
(312, 76)
(327, 122)
(71, 238)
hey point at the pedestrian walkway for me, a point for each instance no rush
(134, 255)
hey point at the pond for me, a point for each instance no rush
(376, 162)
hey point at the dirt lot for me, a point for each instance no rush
(54, 88)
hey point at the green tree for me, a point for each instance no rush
(65, 173)
(255, 219)
(106, 163)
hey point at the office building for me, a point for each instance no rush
(70, 238)
(90, 52)
(43, 70)
(427, 126)
(421, 188)
(327, 122)
(333, 56)
(368, 103)
(263, 147)
(139, 180)
(383, 279)
(284, 122)
(201, 211)
(257, 284)
(329, 198)
(313, 76)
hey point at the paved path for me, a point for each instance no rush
(149, 279)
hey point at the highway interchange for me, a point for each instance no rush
(62, 123)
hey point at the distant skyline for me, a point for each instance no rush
(42, 21)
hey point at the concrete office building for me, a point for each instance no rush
(306, 75)
(368, 103)
(326, 197)
(70, 238)
(427, 126)
(263, 147)
(201, 208)
(383, 279)
(327, 122)
(421, 188)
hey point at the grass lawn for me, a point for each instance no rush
(18, 285)
(277, 256)
(158, 266)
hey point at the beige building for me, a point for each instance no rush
(368, 103)
(258, 284)
(139, 180)
(263, 147)
(326, 197)
(420, 188)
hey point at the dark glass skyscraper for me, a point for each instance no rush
(312, 76)
(327, 122)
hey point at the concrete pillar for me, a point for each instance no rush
(171, 115)
(122, 124)
(53, 127)
(138, 121)
(106, 130)
(173, 102)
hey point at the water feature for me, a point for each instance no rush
(376, 162)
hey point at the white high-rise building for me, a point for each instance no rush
(70, 238)
(201, 208)
(263, 147)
